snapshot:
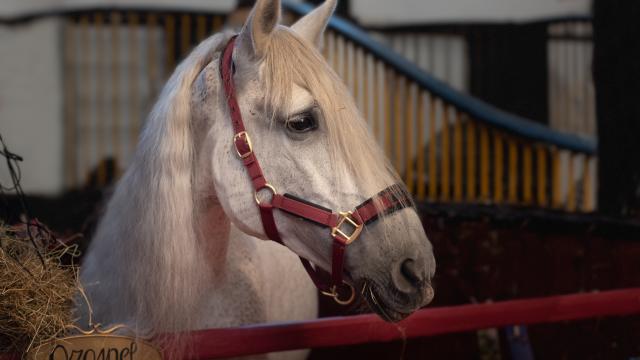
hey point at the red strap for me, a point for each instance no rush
(305, 210)
(391, 199)
(255, 172)
(269, 223)
(242, 142)
(317, 275)
(337, 262)
(229, 86)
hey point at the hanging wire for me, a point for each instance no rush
(39, 236)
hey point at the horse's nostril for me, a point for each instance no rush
(412, 272)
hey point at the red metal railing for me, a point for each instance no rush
(361, 329)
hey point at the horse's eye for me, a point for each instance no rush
(302, 123)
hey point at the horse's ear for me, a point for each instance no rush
(311, 26)
(255, 34)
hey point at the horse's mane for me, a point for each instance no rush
(149, 225)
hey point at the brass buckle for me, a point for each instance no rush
(333, 293)
(266, 186)
(247, 139)
(346, 216)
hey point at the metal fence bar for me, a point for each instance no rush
(471, 174)
(366, 329)
(70, 104)
(457, 157)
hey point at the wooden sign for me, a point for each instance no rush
(95, 347)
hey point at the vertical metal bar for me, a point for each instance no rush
(484, 163)
(562, 86)
(541, 160)
(70, 119)
(387, 111)
(571, 190)
(513, 171)
(580, 80)
(365, 85)
(201, 27)
(552, 95)
(342, 59)
(118, 153)
(556, 193)
(579, 68)
(134, 77)
(354, 73)
(457, 155)
(471, 160)
(330, 48)
(325, 45)
(185, 34)
(152, 54)
(498, 170)
(397, 122)
(446, 154)
(420, 155)
(433, 159)
(591, 95)
(84, 136)
(378, 87)
(570, 95)
(349, 73)
(100, 99)
(170, 42)
(558, 83)
(217, 23)
(336, 54)
(587, 203)
(527, 174)
(409, 133)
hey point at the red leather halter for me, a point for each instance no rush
(345, 226)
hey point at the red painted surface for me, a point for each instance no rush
(216, 343)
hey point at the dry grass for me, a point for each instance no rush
(36, 301)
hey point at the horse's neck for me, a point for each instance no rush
(214, 234)
(254, 280)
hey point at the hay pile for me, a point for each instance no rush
(36, 301)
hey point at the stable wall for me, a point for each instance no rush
(31, 99)
(386, 13)
(9, 8)
(488, 253)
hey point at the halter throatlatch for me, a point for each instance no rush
(345, 226)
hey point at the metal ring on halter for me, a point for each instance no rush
(336, 297)
(266, 186)
(346, 217)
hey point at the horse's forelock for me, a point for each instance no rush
(292, 60)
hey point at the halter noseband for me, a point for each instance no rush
(345, 226)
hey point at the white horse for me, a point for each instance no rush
(181, 245)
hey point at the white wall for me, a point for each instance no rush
(442, 55)
(16, 7)
(370, 12)
(31, 103)
(400, 12)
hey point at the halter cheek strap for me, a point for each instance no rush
(345, 227)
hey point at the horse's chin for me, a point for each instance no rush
(377, 301)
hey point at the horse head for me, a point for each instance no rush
(310, 140)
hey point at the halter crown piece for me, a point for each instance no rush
(345, 226)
